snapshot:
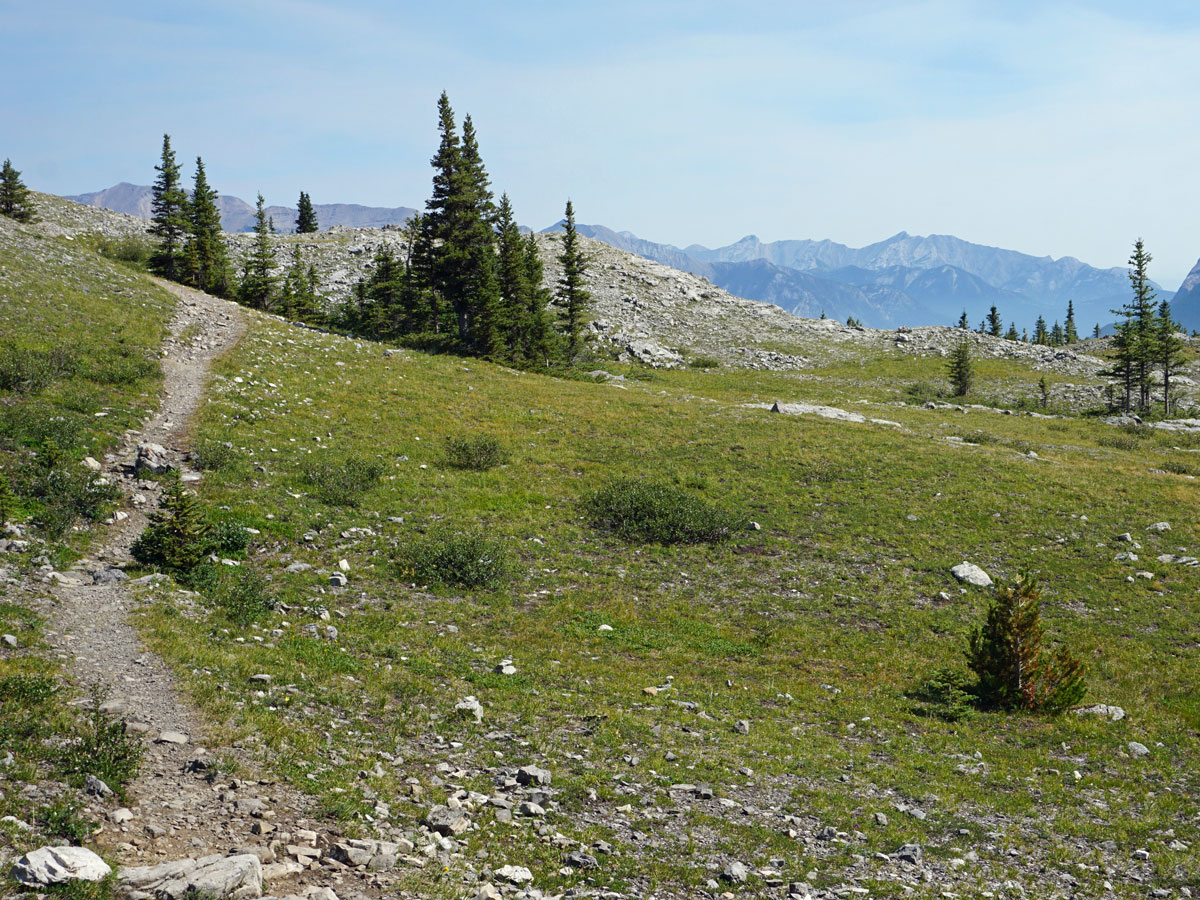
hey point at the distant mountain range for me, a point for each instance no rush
(904, 280)
(238, 215)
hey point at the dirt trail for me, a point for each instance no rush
(178, 808)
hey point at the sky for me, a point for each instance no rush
(1053, 128)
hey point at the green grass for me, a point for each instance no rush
(817, 629)
(78, 364)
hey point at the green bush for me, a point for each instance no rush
(103, 748)
(228, 537)
(213, 456)
(448, 557)
(122, 366)
(64, 489)
(1007, 657)
(1120, 441)
(340, 482)
(242, 594)
(704, 362)
(648, 511)
(478, 453)
(63, 819)
(1177, 467)
(921, 392)
(134, 250)
(26, 370)
(31, 423)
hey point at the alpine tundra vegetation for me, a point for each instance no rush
(577, 577)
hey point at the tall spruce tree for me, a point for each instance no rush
(1133, 344)
(257, 288)
(1071, 333)
(14, 196)
(513, 275)
(573, 296)
(306, 216)
(205, 259)
(1040, 334)
(994, 325)
(169, 215)
(1168, 350)
(1057, 336)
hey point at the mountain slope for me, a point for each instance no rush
(238, 215)
(1186, 304)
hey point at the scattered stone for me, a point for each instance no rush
(120, 816)
(577, 859)
(605, 628)
(825, 412)
(1138, 749)
(735, 872)
(338, 579)
(472, 706)
(1125, 557)
(529, 808)
(55, 865)
(488, 892)
(10, 640)
(515, 874)
(446, 821)
(108, 576)
(1112, 713)
(910, 853)
(506, 667)
(881, 818)
(297, 567)
(16, 823)
(742, 726)
(233, 877)
(261, 678)
(1159, 526)
(95, 786)
(533, 775)
(171, 737)
(92, 464)
(969, 573)
(152, 458)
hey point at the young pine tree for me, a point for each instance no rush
(306, 216)
(257, 288)
(205, 260)
(962, 321)
(1007, 657)
(1057, 337)
(14, 196)
(1134, 342)
(573, 296)
(1011, 334)
(169, 220)
(961, 369)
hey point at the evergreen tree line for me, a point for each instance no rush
(1058, 336)
(469, 280)
(191, 245)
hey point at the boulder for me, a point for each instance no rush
(152, 458)
(969, 573)
(446, 821)
(233, 877)
(55, 865)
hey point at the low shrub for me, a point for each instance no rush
(655, 512)
(104, 748)
(64, 819)
(32, 423)
(340, 482)
(122, 366)
(475, 453)
(133, 250)
(64, 490)
(214, 456)
(446, 557)
(1176, 467)
(26, 370)
(242, 594)
(1120, 441)
(704, 362)
(228, 537)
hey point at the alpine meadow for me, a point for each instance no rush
(351, 553)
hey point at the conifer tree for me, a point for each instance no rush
(14, 196)
(1006, 655)
(513, 276)
(573, 296)
(258, 282)
(1040, 334)
(205, 260)
(541, 345)
(1057, 337)
(1070, 333)
(1011, 334)
(298, 294)
(1168, 350)
(1096, 330)
(962, 321)
(1134, 342)
(306, 216)
(169, 220)
(961, 369)
(993, 322)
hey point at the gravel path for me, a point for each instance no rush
(178, 808)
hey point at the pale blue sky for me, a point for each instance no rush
(1051, 128)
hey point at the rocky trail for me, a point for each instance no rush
(188, 824)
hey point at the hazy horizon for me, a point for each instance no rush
(1060, 129)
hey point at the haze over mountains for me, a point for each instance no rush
(903, 280)
(238, 215)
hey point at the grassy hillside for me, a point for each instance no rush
(815, 630)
